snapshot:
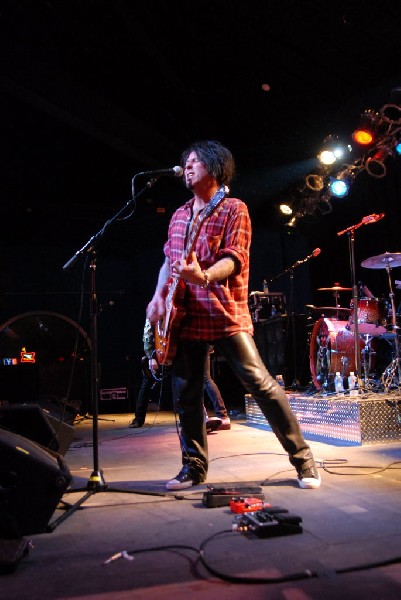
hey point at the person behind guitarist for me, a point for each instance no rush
(151, 375)
(216, 275)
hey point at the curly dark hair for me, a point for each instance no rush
(218, 160)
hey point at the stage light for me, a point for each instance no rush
(333, 150)
(286, 209)
(375, 165)
(294, 220)
(391, 113)
(340, 185)
(398, 148)
(366, 133)
(338, 188)
(314, 182)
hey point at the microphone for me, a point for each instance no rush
(372, 218)
(175, 171)
(316, 252)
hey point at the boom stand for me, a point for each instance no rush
(290, 270)
(96, 482)
(351, 243)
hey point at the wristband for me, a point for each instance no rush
(206, 282)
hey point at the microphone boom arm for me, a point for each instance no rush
(91, 244)
(296, 264)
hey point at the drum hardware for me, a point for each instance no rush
(367, 359)
(388, 261)
(389, 378)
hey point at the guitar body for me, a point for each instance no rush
(167, 329)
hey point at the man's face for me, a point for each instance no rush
(194, 171)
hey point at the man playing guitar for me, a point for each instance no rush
(207, 252)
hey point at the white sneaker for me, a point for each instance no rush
(309, 478)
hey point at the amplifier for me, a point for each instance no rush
(265, 305)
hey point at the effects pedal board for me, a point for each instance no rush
(224, 494)
(269, 522)
(243, 505)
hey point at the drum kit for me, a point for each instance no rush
(365, 337)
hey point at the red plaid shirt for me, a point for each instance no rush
(221, 309)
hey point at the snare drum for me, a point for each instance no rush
(332, 349)
(372, 316)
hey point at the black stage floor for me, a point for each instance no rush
(349, 546)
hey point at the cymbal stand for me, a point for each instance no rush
(367, 353)
(337, 301)
(395, 363)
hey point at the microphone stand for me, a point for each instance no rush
(351, 243)
(96, 482)
(290, 271)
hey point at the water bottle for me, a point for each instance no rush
(351, 381)
(265, 287)
(352, 384)
(280, 380)
(338, 383)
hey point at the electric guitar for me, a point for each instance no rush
(167, 328)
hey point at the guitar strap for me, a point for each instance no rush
(166, 331)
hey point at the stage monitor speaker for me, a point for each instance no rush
(32, 482)
(38, 425)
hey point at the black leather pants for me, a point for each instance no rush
(243, 357)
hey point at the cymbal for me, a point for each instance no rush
(333, 309)
(327, 308)
(393, 259)
(335, 288)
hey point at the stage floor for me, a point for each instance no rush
(350, 545)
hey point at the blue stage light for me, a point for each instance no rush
(338, 188)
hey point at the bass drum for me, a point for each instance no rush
(332, 349)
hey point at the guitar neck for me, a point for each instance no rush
(210, 207)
